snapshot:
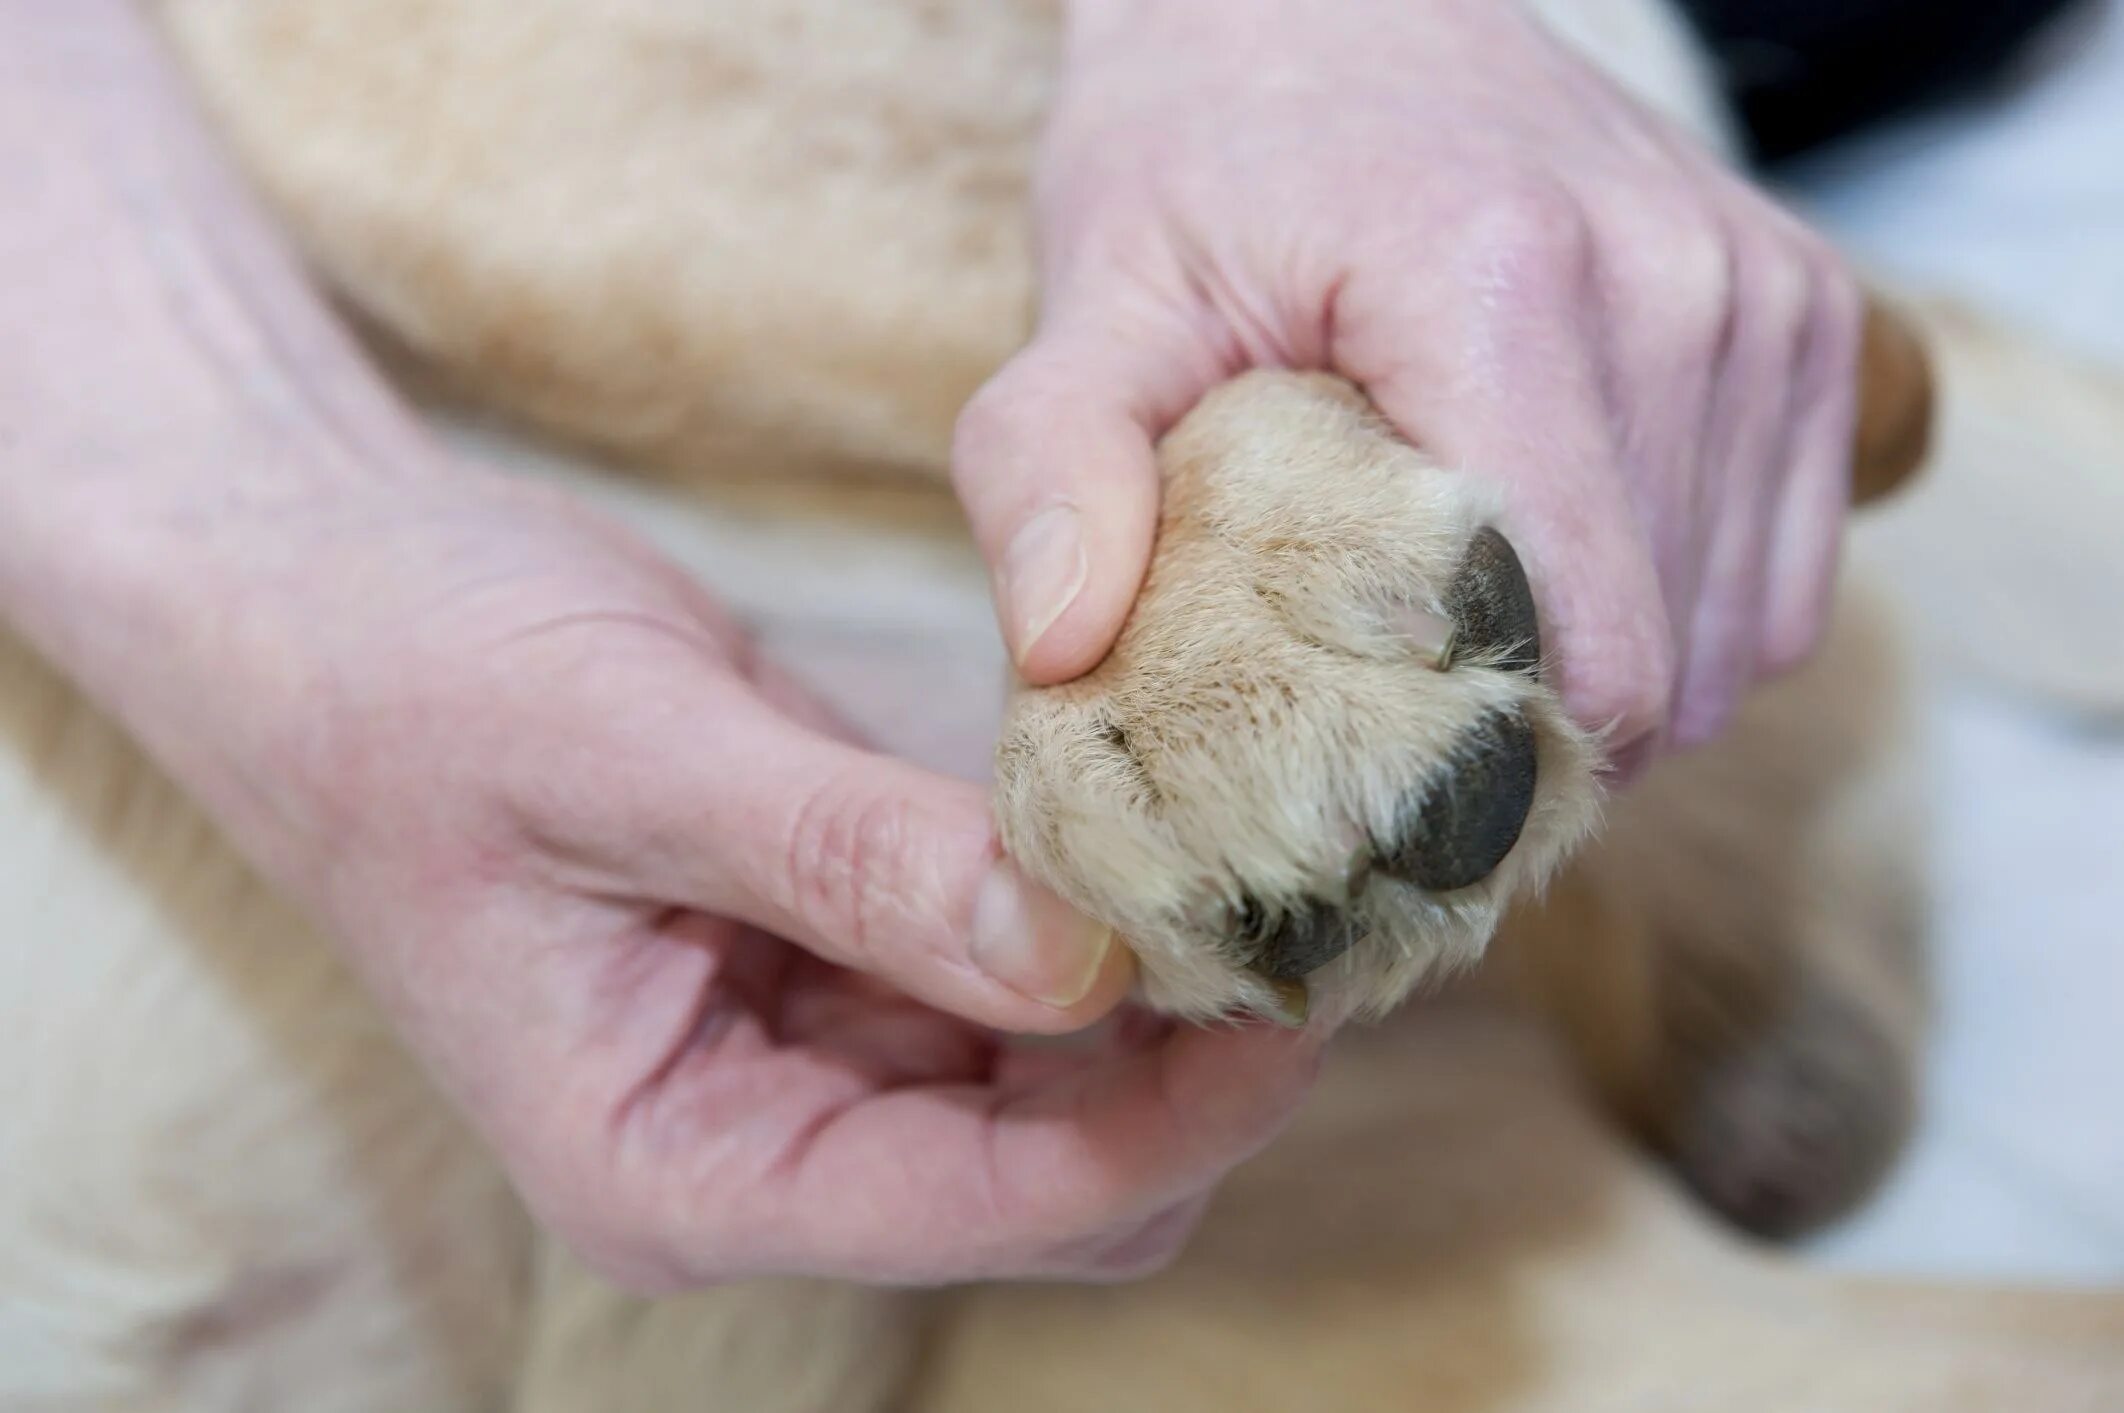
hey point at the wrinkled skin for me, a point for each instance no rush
(713, 981)
(1531, 275)
(716, 984)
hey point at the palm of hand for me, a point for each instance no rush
(545, 821)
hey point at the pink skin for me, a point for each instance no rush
(720, 987)
(1533, 277)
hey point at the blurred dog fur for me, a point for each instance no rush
(782, 240)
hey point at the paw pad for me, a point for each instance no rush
(1472, 815)
(1280, 792)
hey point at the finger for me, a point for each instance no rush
(730, 807)
(1665, 355)
(1054, 462)
(1807, 531)
(710, 797)
(1073, 1176)
(1747, 461)
(1139, 1249)
(1508, 385)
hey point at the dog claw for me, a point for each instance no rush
(1492, 606)
(1293, 1001)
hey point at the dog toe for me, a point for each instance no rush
(1492, 606)
(1468, 820)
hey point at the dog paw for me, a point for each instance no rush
(1789, 1127)
(1320, 759)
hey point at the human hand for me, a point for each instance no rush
(1533, 277)
(562, 822)
(715, 983)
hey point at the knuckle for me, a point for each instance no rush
(1629, 694)
(1618, 654)
(1684, 273)
(982, 434)
(1785, 282)
(1698, 270)
(1647, 695)
(843, 860)
(1017, 403)
(1648, 660)
(1781, 296)
(1532, 231)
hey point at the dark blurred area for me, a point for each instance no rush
(1803, 72)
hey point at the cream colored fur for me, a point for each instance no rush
(223, 1187)
(660, 284)
(2008, 547)
(1299, 536)
(743, 237)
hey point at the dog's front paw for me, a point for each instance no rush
(1320, 760)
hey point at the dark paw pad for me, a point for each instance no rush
(1470, 818)
(1291, 945)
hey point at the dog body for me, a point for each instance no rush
(768, 245)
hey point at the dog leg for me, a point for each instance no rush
(1739, 962)
(787, 1346)
(1448, 1227)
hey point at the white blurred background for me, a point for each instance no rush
(2015, 200)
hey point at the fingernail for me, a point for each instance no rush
(1044, 570)
(1034, 943)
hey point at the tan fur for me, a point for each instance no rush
(1447, 1230)
(1295, 529)
(655, 283)
(222, 1186)
(1447, 1217)
(2007, 548)
(1744, 982)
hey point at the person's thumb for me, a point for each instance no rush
(1053, 461)
(872, 864)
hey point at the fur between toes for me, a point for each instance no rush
(1310, 796)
